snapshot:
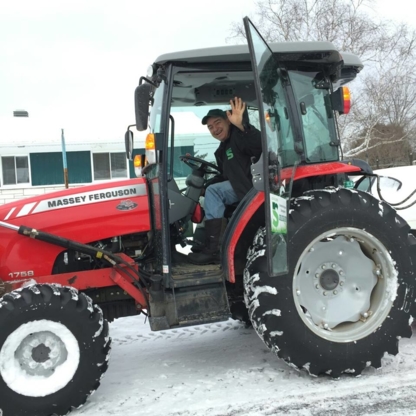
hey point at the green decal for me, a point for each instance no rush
(278, 214)
(229, 153)
(349, 184)
(275, 216)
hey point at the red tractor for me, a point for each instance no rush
(324, 273)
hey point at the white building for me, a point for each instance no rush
(31, 157)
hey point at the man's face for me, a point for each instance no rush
(219, 127)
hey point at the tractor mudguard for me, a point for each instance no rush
(243, 221)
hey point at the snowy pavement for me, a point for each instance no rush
(224, 369)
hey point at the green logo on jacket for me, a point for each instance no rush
(229, 153)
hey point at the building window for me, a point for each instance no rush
(109, 166)
(15, 170)
(48, 168)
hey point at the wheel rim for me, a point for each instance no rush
(344, 284)
(39, 358)
(40, 353)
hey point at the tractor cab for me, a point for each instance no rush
(292, 92)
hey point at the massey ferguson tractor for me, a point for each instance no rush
(324, 273)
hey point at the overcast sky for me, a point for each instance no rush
(76, 63)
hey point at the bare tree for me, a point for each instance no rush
(386, 97)
(385, 94)
(389, 146)
(343, 22)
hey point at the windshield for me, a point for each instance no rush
(191, 137)
(321, 144)
(193, 95)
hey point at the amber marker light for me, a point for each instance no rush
(269, 120)
(137, 163)
(347, 99)
(150, 142)
(150, 146)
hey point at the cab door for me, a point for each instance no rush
(274, 111)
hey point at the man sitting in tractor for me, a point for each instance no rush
(240, 142)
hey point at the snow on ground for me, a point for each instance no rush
(224, 369)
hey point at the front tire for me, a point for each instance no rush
(54, 349)
(346, 298)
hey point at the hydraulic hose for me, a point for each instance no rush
(395, 205)
(69, 244)
(82, 248)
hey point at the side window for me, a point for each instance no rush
(315, 124)
(316, 116)
(15, 170)
(109, 166)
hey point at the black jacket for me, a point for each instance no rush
(234, 157)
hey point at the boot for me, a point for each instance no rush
(210, 253)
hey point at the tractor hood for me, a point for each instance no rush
(83, 196)
(84, 214)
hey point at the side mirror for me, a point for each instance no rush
(141, 105)
(129, 142)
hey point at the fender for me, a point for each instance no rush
(322, 169)
(254, 199)
(240, 219)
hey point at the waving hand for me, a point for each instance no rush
(236, 115)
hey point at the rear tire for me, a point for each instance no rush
(346, 298)
(54, 349)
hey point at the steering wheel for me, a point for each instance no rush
(197, 163)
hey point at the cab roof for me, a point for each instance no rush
(314, 52)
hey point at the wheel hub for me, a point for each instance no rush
(40, 353)
(329, 279)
